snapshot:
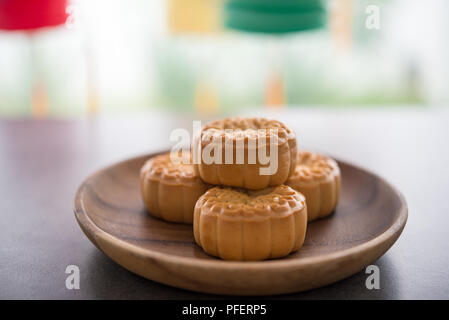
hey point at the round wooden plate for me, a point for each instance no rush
(369, 218)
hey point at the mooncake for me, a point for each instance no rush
(245, 225)
(250, 153)
(171, 189)
(318, 178)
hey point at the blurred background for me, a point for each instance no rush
(85, 83)
(76, 58)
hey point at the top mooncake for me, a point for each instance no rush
(251, 153)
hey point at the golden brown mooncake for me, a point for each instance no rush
(318, 178)
(239, 224)
(245, 136)
(170, 190)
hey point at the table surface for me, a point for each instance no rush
(42, 162)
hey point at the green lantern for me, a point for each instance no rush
(274, 16)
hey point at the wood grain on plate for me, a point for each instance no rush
(369, 218)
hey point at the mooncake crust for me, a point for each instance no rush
(171, 189)
(245, 225)
(318, 178)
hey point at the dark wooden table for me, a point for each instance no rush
(43, 162)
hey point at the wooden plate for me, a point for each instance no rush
(369, 218)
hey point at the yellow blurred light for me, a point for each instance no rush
(202, 16)
(206, 99)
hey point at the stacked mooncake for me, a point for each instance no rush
(249, 195)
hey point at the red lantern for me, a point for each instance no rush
(31, 14)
